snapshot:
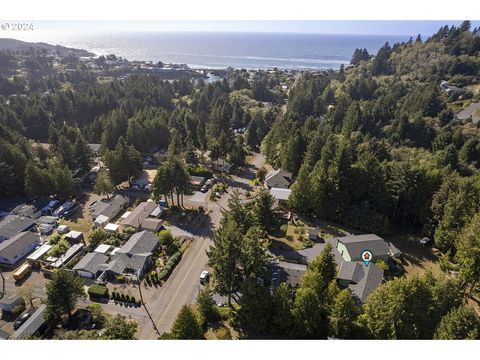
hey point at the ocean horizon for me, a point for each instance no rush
(219, 50)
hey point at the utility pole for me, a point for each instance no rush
(3, 284)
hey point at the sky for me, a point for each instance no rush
(391, 27)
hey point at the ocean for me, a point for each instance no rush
(239, 50)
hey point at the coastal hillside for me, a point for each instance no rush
(18, 46)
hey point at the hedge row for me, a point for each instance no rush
(170, 265)
(125, 298)
(98, 291)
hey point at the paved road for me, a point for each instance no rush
(183, 285)
(469, 111)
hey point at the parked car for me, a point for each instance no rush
(204, 188)
(21, 320)
(426, 241)
(204, 276)
(209, 182)
(60, 212)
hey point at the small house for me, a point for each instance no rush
(39, 253)
(15, 249)
(91, 266)
(278, 179)
(11, 225)
(74, 236)
(112, 228)
(34, 326)
(69, 255)
(100, 221)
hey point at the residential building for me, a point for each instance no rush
(135, 257)
(351, 247)
(136, 218)
(108, 207)
(91, 265)
(39, 253)
(278, 179)
(16, 248)
(11, 225)
(34, 326)
(359, 278)
(280, 194)
(69, 255)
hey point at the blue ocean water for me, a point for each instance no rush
(239, 50)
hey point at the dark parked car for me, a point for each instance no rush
(204, 188)
(21, 320)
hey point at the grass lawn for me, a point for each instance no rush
(417, 260)
(289, 240)
(77, 224)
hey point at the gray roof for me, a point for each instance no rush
(68, 256)
(371, 278)
(91, 262)
(95, 147)
(287, 272)
(135, 253)
(350, 271)
(355, 244)
(141, 212)
(283, 175)
(123, 261)
(9, 248)
(152, 224)
(32, 324)
(109, 208)
(13, 224)
(140, 243)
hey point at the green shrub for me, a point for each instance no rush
(223, 333)
(199, 171)
(97, 291)
(120, 278)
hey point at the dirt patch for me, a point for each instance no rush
(416, 259)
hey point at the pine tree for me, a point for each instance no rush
(186, 326)
(63, 292)
(206, 306)
(282, 319)
(343, 315)
(459, 324)
(103, 184)
(224, 257)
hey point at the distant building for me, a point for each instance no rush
(16, 248)
(451, 89)
(278, 179)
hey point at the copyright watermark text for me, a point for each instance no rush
(16, 26)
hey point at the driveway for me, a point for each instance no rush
(198, 197)
(469, 111)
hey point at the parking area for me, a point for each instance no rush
(199, 197)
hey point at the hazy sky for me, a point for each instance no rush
(325, 26)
